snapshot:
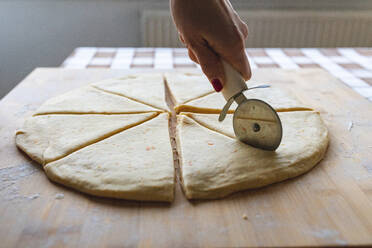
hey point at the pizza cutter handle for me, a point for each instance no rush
(234, 82)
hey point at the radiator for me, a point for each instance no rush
(276, 28)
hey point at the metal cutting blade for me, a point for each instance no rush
(255, 122)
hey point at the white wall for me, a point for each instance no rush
(43, 33)
(36, 33)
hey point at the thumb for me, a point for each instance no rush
(210, 64)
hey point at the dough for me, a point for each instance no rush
(136, 164)
(217, 165)
(211, 121)
(111, 139)
(144, 88)
(185, 87)
(94, 140)
(49, 137)
(90, 100)
(213, 103)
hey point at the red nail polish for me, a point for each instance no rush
(217, 84)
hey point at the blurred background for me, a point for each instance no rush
(42, 33)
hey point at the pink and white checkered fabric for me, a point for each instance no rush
(353, 66)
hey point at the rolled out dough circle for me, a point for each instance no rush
(107, 139)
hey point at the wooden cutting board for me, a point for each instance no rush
(330, 205)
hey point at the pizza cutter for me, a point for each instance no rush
(255, 122)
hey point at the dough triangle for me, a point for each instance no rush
(187, 86)
(279, 99)
(49, 137)
(90, 100)
(136, 164)
(216, 165)
(144, 88)
(211, 121)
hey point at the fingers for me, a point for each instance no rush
(193, 56)
(180, 36)
(235, 52)
(210, 64)
(240, 62)
(243, 29)
(191, 53)
(236, 56)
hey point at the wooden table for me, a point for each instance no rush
(330, 205)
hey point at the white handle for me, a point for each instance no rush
(234, 82)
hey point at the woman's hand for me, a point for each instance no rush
(212, 30)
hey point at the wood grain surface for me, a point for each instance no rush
(330, 205)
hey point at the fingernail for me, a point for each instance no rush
(217, 84)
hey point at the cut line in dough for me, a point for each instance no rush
(47, 138)
(207, 120)
(185, 87)
(280, 100)
(130, 98)
(201, 96)
(98, 113)
(90, 100)
(147, 89)
(225, 127)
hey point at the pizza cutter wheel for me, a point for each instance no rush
(255, 122)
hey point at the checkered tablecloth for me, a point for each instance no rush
(353, 66)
